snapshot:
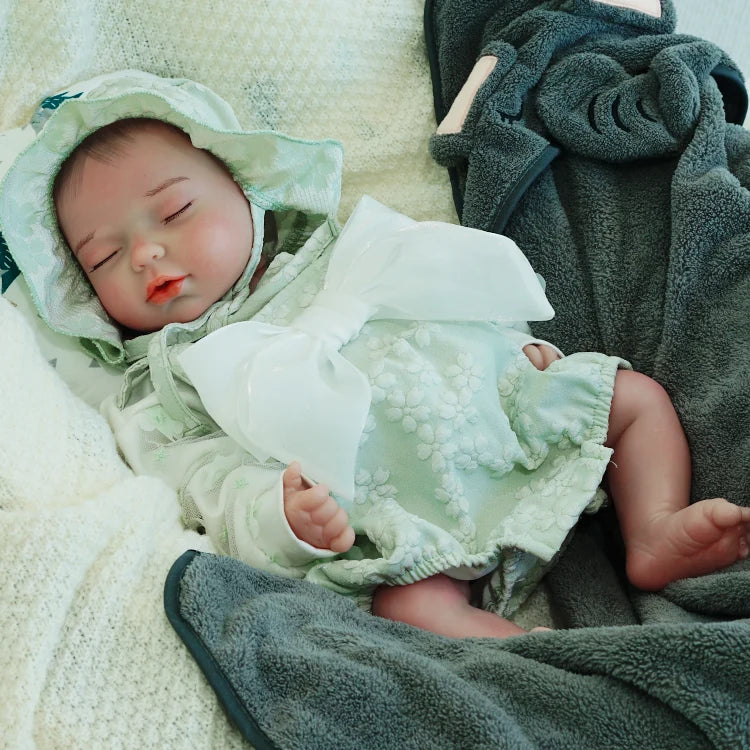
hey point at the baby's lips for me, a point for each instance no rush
(163, 288)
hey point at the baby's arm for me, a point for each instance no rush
(541, 355)
(237, 501)
(539, 352)
(313, 515)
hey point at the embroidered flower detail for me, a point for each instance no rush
(497, 456)
(216, 472)
(426, 375)
(542, 515)
(451, 493)
(466, 376)
(370, 425)
(407, 548)
(466, 454)
(379, 346)
(407, 408)
(156, 419)
(402, 349)
(436, 445)
(392, 531)
(508, 381)
(420, 332)
(534, 447)
(381, 382)
(567, 435)
(421, 371)
(533, 488)
(457, 408)
(373, 487)
(159, 455)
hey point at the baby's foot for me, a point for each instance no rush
(696, 540)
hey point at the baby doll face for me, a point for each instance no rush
(160, 228)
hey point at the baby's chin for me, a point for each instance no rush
(134, 328)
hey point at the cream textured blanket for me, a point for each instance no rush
(89, 658)
(354, 71)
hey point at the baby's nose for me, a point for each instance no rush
(145, 251)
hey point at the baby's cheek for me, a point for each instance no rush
(123, 304)
(110, 294)
(223, 245)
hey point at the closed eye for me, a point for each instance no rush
(102, 262)
(173, 216)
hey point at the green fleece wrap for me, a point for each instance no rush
(297, 666)
(601, 144)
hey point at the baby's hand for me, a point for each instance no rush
(315, 517)
(540, 355)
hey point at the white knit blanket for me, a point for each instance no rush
(354, 70)
(88, 658)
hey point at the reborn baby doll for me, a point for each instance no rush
(389, 363)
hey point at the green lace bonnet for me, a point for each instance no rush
(276, 172)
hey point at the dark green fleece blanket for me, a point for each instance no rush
(601, 144)
(297, 666)
(606, 146)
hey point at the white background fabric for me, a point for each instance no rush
(346, 69)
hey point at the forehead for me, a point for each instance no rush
(148, 141)
(121, 174)
(132, 159)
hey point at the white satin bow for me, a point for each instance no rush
(288, 393)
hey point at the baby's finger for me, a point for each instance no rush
(336, 524)
(549, 355)
(326, 511)
(534, 354)
(336, 531)
(343, 541)
(292, 477)
(313, 498)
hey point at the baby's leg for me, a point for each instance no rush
(649, 479)
(440, 604)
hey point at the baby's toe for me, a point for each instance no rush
(725, 514)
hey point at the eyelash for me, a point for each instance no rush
(102, 262)
(178, 213)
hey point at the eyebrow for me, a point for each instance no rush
(86, 239)
(164, 185)
(148, 194)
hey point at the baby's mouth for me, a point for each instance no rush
(164, 288)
